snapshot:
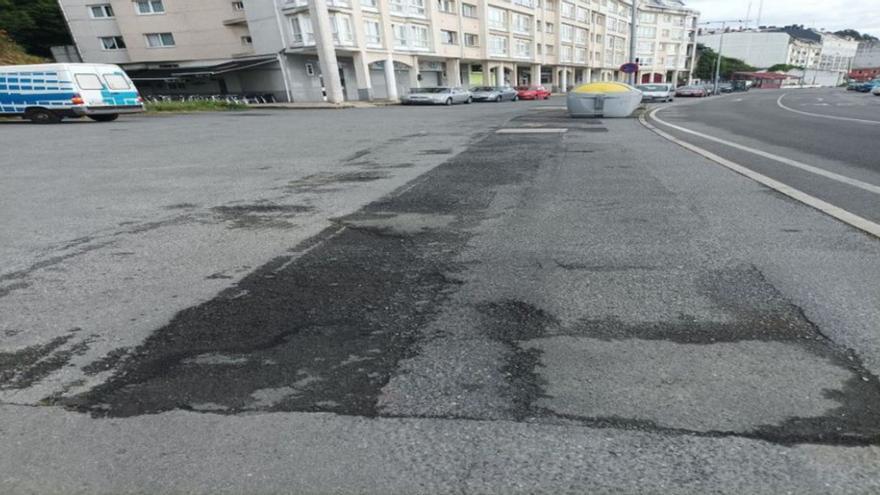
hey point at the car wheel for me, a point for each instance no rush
(42, 116)
(498, 99)
(104, 118)
(515, 97)
(469, 100)
(448, 101)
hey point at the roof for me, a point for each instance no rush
(199, 71)
(764, 75)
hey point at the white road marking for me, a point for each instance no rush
(848, 119)
(530, 131)
(844, 216)
(788, 161)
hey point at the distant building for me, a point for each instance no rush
(866, 65)
(823, 58)
(666, 46)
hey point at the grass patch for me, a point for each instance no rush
(193, 106)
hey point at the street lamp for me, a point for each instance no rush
(720, 48)
(633, 41)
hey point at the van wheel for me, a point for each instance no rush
(42, 116)
(104, 118)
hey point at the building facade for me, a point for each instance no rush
(314, 50)
(866, 65)
(666, 49)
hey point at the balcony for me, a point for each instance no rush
(238, 20)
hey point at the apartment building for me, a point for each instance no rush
(172, 46)
(364, 49)
(666, 36)
(316, 50)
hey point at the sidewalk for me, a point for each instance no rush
(320, 105)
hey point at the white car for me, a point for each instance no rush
(657, 92)
(876, 91)
(442, 95)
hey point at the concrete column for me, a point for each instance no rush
(453, 72)
(390, 78)
(554, 80)
(414, 74)
(326, 50)
(499, 75)
(362, 73)
(563, 82)
(675, 79)
(514, 76)
(535, 74)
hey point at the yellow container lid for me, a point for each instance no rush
(603, 87)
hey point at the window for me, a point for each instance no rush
(301, 30)
(88, 81)
(548, 49)
(103, 11)
(646, 47)
(647, 32)
(247, 41)
(448, 37)
(566, 32)
(497, 45)
(238, 6)
(522, 23)
(419, 36)
(471, 39)
(159, 40)
(551, 5)
(523, 48)
(580, 56)
(648, 18)
(146, 7)
(468, 10)
(369, 4)
(340, 25)
(580, 36)
(568, 10)
(396, 6)
(112, 43)
(116, 81)
(549, 27)
(538, 48)
(497, 18)
(372, 33)
(446, 6)
(582, 15)
(417, 7)
(524, 3)
(410, 36)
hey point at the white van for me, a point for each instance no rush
(46, 93)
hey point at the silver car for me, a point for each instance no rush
(442, 95)
(656, 92)
(494, 93)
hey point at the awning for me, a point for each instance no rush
(164, 73)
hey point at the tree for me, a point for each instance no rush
(783, 68)
(852, 33)
(705, 69)
(36, 25)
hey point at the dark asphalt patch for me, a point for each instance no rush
(324, 331)
(24, 368)
(259, 215)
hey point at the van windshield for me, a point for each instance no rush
(88, 81)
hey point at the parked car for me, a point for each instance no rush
(725, 87)
(695, 91)
(867, 86)
(494, 93)
(442, 95)
(853, 85)
(656, 92)
(47, 93)
(533, 92)
(876, 91)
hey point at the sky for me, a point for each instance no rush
(833, 15)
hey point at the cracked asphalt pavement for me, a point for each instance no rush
(437, 309)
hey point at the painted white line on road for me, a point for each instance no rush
(833, 117)
(844, 216)
(530, 130)
(788, 161)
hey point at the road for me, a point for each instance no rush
(565, 306)
(832, 130)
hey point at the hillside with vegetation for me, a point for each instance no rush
(12, 54)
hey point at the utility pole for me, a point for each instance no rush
(633, 42)
(720, 50)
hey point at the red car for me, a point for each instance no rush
(532, 92)
(697, 91)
